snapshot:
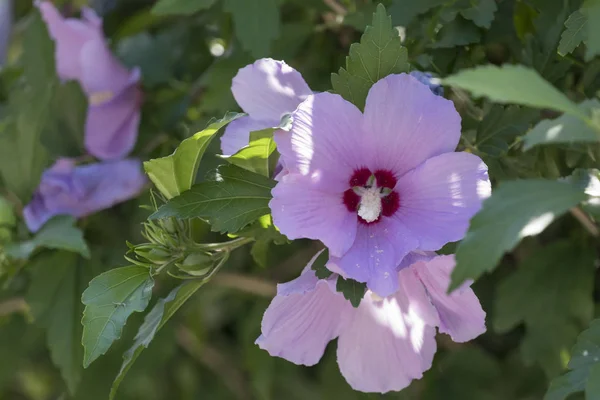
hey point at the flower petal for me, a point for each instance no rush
(304, 316)
(325, 141)
(102, 73)
(385, 345)
(111, 128)
(237, 133)
(70, 35)
(268, 89)
(438, 198)
(460, 312)
(83, 190)
(375, 255)
(408, 124)
(302, 211)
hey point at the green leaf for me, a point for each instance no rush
(176, 173)
(482, 13)
(110, 299)
(404, 11)
(379, 54)
(457, 33)
(564, 129)
(575, 33)
(591, 8)
(180, 7)
(256, 157)
(515, 210)
(558, 277)
(256, 24)
(352, 290)
(236, 199)
(584, 366)
(58, 233)
(514, 84)
(162, 311)
(22, 156)
(56, 285)
(319, 265)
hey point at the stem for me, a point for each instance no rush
(587, 223)
(226, 246)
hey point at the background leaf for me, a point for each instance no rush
(515, 210)
(256, 24)
(58, 233)
(352, 290)
(513, 84)
(559, 278)
(575, 33)
(256, 157)
(180, 7)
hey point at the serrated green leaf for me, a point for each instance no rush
(575, 33)
(256, 157)
(564, 129)
(352, 290)
(56, 285)
(319, 265)
(591, 8)
(256, 22)
(592, 388)
(482, 13)
(22, 155)
(404, 11)
(515, 210)
(558, 278)
(175, 174)
(162, 311)
(110, 299)
(513, 84)
(58, 233)
(229, 204)
(180, 7)
(379, 54)
(585, 359)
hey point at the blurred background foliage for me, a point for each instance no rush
(188, 51)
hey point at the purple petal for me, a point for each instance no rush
(326, 141)
(83, 190)
(302, 211)
(101, 72)
(70, 35)
(460, 312)
(375, 255)
(111, 128)
(408, 124)
(304, 316)
(438, 199)
(237, 133)
(268, 89)
(386, 345)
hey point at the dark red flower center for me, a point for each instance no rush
(372, 195)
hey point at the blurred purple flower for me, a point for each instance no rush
(375, 186)
(428, 79)
(266, 91)
(82, 190)
(383, 344)
(82, 54)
